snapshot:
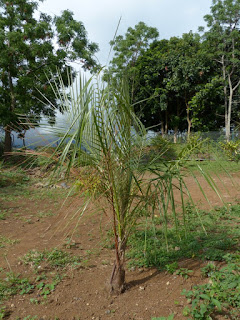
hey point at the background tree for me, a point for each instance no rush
(127, 49)
(223, 43)
(171, 72)
(28, 54)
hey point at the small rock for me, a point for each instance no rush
(12, 305)
(64, 185)
(141, 288)
(108, 311)
(168, 283)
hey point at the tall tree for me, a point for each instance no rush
(127, 49)
(223, 42)
(28, 53)
(188, 70)
(171, 72)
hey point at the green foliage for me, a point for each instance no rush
(13, 178)
(29, 56)
(231, 149)
(54, 258)
(6, 241)
(222, 45)
(171, 317)
(13, 285)
(172, 267)
(184, 272)
(3, 312)
(46, 289)
(148, 246)
(127, 50)
(220, 294)
(162, 147)
(104, 136)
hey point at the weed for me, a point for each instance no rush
(34, 301)
(6, 241)
(172, 267)
(208, 269)
(13, 178)
(54, 258)
(46, 288)
(221, 293)
(184, 272)
(147, 246)
(171, 317)
(43, 214)
(3, 214)
(13, 284)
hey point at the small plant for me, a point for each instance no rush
(184, 272)
(13, 284)
(231, 149)
(2, 214)
(222, 292)
(171, 317)
(3, 312)
(172, 267)
(6, 241)
(208, 269)
(34, 301)
(46, 288)
(54, 258)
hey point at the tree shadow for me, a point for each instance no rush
(138, 282)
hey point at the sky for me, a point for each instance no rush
(101, 17)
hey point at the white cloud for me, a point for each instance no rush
(100, 17)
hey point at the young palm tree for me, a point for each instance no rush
(102, 133)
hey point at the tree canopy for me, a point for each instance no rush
(32, 49)
(184, 83)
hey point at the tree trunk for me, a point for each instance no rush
(162, 129)
(189, 123)
(166, 122)
(175, 135)
(8, 140)
(228, 118)
(117, 281)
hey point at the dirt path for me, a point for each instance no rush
(40, 224)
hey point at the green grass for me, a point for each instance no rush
(13, 284)
(148, 246)
(13, 177)
(213, 166)
(4, 241)
(54, 258)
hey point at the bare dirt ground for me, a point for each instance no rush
(38, 222)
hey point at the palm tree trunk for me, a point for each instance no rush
(117, 280)
(8, 140)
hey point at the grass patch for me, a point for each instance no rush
(54, 258)
(4, 241)
(148, 245)
(13, 284)
(13, 177)
(220, 294)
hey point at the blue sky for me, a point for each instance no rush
(100, 17)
